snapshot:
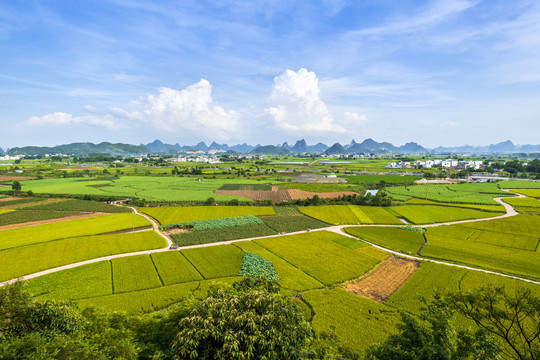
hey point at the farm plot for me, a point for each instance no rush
(320, 256)
(391, 238)
(498, 258)
(29, 259)
(457, 193)
(171, 215)
(224, 234)
(264, 187)
(24, 216)
(151, 188)
(215, 261)
(287, 210)
(290, 277)
(134, 273)
(19, 201)
(431, 277)
(73, 228)
(523, 202)
(389, 179)
(80, 205)
(82, 282)
(213, 224)
(174, 268)
(520, 224)
(292, 223)
(284, 195)
(350, 214)
(516, 184)
(356, 322)
(384, 280)
(421, 214)
(531, 193)
(495, 208)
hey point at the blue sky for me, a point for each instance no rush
(440, 72)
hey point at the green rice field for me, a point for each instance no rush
(516, 184)
(391, 238)
(350, 214)
(171, 215)
(429, 214)
(451, 193)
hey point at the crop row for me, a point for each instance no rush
(224, 234)
(391, 238)
(212, 224)
(292, 223)
(350, 214)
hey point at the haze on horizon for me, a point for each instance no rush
(437, 72)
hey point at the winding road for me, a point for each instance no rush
(337, 229)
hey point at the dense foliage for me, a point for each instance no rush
(257, 266)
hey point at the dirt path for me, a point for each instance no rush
(385, 279)
(337, 229)
(11, 198)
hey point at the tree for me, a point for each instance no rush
(250, 325)
(16, 186)
(432, 336)
(513, 318)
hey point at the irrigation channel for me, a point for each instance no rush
(337, 229)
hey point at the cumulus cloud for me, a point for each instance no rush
(188, 112)
(62, 119)
(192, 108)
(297, 104)
(355, 118)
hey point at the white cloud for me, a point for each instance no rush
(297, 104)
(190, 109)
(63, 119)
(355, 117)
(450, 124)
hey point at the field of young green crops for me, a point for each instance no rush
(350, 214)
(151, 188)
(80, 205)
(430, 277)
(290, 277)
(495, 208)
(171, 215)
(356, 322)
(287, 210)
(320, 256)
(29, 259)
(391, 238)
(517, 184)
(224, 234)
(215, 261)
(531, 193)
(374, 179)
(429, 214)
(174, 268)
(214, 224)
(61, 230)
(453, 193)
(134, 273)
(292, 223)
(484, 247)
(20, 201)
(524, 202)
(23, 216)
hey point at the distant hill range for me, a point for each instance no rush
(368, 146)
(81, 149)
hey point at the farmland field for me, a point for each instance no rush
(28, 259)
(174, 268)
(496, 208)
(374, 179)
(350, 214)
(23, 216)
(516, 184)
(19, 201)
(531, 193)
(524, 202)
(80, 205)
(171, 215)
(164, 188)
(453, 193)
(391, 238)
(81, 227)
(428, 214)
(134, 273)
(224, 234)
(319, 255)
(216, 261)
(292, 223)
(356, 322)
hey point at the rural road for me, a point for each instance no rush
(336, 229)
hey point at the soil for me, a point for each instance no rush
(282, 195)
(174, 231)
(13, 178)
(8, 199)
(41, 222)
(385, 280)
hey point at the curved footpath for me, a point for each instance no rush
(336, 229)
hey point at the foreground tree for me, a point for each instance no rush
(16, 186)
(231, 325)
(513, 318)
(432, 336)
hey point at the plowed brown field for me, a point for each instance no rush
(385, 280)
(13, 178)
(281, 195)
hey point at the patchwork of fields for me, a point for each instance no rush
(313, 264)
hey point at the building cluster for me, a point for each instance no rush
(448, 164)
